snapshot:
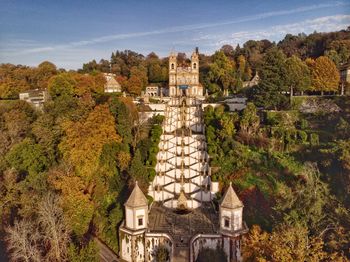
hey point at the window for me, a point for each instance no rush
(140, 221)
(172, 66)
(194, 65)
(226, 222)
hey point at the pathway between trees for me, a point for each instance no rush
(106, 254)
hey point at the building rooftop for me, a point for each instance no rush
(183, 224)
(230, 199)
(137, 198)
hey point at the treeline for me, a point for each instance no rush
(230, 66)
(291, 170)
(65, 171)
(227, 69)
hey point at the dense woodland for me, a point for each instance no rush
(66, 171)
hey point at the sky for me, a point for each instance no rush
(72, 32)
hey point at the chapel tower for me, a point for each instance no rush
(184, 79)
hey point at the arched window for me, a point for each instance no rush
(194, 65)
(172, 66)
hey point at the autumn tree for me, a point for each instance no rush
(83, 141)
(325, 75)
(250, 120)
(47, 134)
(285, 243)
(78, 208)
(137, 81)
(43, 73)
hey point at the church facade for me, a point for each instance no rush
(182, 219)
(184, 79)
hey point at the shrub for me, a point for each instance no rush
(303, 136)
(314, 139)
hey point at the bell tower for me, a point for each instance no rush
(172, 74)
(231, 222)
(195, 61)
(131, 233)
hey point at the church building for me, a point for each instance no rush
(184, 79)
(182, 219)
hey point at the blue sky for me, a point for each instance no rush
(70, 33)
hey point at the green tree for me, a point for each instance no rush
(298, 76)
(87, 253)
(61, 85)
(222, 71)
(137, 170)
(27, 156)
(305, 203)
(270, 93)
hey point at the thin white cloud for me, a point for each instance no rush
(321, 24)
(175, 29)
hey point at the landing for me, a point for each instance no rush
(182, 226)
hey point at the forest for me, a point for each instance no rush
(66, 171)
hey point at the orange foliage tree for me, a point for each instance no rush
(83, 141)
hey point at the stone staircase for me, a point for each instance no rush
(182, 161)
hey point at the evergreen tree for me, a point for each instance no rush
(270, 93)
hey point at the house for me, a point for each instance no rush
(36, 97)
(112, 85)
(344, 71)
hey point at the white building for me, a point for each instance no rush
(36, 97)
(112, 85)
(184, 80)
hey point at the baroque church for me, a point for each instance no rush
(182, 219)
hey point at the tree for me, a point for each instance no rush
(27, 156)
(87, 253)
(250, 120)
(23, 241)
(47, 134)
(76, 202)
(222, 71)
(55, 232)
(137, 81)
(285, 243)
(270, 93)
(325, 75)
(17, 124)
(83, 141)
(61, 85)
(298, 76)
(41, 238)
(137, 170)
(305, 203)
(43, 73)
